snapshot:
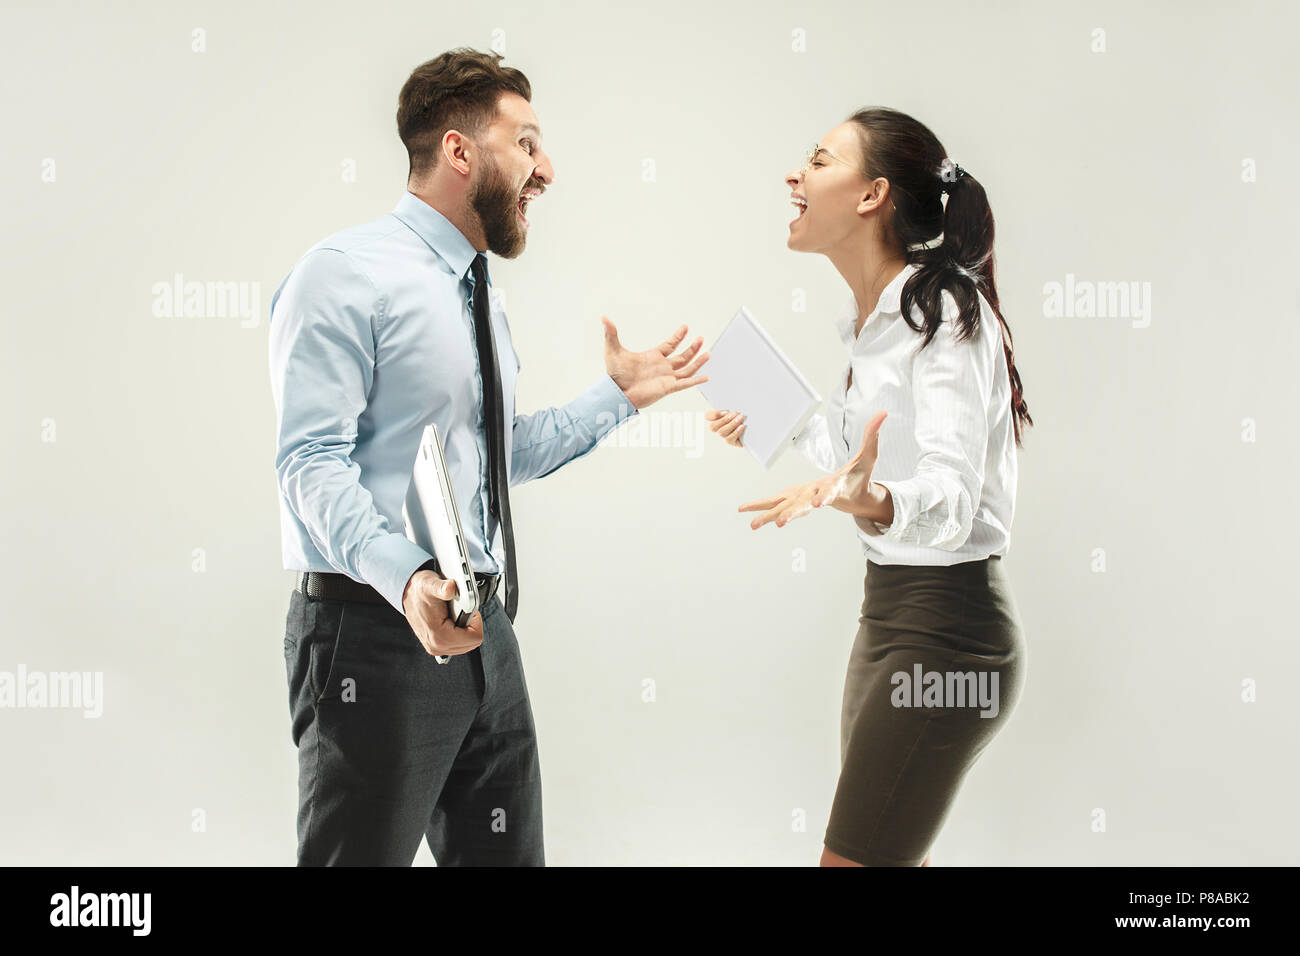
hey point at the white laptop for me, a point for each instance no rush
(748, 373)
(433, 522)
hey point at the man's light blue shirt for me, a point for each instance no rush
(372, 338)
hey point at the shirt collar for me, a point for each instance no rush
(889, 304)
(437, 232)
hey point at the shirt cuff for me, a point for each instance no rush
(603, 407)
(905, 509)
(916, 525)
(388, 563)
(869, 526)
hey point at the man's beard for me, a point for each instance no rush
(497, 205)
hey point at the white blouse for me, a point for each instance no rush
(947, 449)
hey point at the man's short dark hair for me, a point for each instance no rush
(456, 90)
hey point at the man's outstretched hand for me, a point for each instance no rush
(645, 377)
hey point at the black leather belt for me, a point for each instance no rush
(330, 586)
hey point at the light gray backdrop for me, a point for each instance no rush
(1152, 551)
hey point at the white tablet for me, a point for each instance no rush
(749, 374)
(433, 522)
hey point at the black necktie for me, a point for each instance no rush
(498, 481)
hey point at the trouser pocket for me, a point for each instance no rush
(327, 654)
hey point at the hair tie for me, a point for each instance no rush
(957, 173)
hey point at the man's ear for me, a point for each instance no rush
(454, 149)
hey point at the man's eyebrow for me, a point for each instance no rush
(529, 127)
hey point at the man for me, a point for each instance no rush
(406, 725)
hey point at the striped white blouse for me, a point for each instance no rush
(947, 449)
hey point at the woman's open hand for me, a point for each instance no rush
(848, 489)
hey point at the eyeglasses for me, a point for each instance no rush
(817, 151)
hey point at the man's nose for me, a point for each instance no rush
(544, 173)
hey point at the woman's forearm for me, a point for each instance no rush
(874, 503)
(879, 505)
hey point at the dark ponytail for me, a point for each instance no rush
(902, 150)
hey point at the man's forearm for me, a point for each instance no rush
(548, 439)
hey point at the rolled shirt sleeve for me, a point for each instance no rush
(546, 439)
(951, 383)
(322, 354)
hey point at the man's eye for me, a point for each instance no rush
(528, 143)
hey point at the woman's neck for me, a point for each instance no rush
(867, 271)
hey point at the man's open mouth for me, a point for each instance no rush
(527, 196)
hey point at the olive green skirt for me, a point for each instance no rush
(936, 670)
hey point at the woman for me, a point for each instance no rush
(932, 389)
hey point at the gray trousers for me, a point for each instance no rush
(394, 747)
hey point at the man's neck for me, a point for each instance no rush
(456, 211)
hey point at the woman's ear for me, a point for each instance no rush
(875, 196)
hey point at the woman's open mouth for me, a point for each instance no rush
(801, 204)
